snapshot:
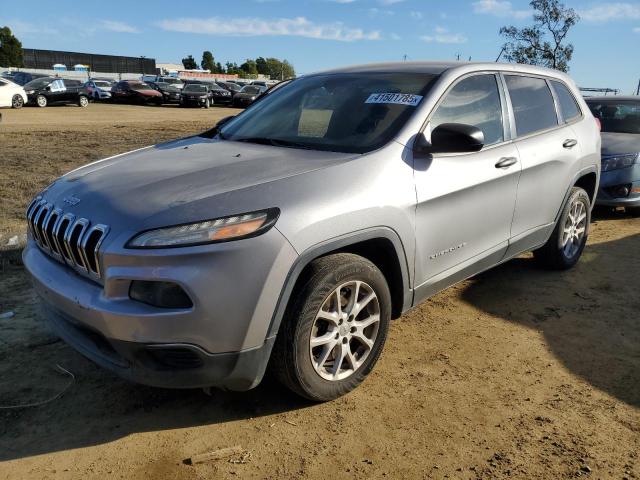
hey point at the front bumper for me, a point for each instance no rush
(220, 341)
(186, 101)
(630, 177)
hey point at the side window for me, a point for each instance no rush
(473, 101)
(568, 105)
(532, 103)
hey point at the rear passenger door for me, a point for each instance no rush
(549, 154)
(465, 201)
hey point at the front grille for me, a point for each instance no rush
(70, 240)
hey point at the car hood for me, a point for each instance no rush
(185, 180)
(147, 93)
(617, 143)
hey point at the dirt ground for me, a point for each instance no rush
(516, 373)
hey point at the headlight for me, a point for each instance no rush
(29, 92)
(619, 161)
(210, 231)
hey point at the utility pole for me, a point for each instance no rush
(404, 57)
(638, 89)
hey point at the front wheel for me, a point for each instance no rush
(17, 101)
(563, 250)
(41, 101)
(335, 328)
(83, 101)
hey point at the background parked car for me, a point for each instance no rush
(11, 94)
(248, 95)
(219, 95)
(51, 90)
(135, 91)
(99, 89)
(620, 132)
(21, 78)
(195, 95)
(170, 93)
(233, 88)
(173, 81)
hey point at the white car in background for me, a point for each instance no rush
(11, 94)
(99, 89)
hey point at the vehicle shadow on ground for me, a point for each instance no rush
(588, 315)
(98, 407)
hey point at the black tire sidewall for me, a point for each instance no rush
(313, 385)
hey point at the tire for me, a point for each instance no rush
(41, 101)
(564, 248)
(310, 371)
(207, 104)
(83, 101)
(633, 211)
(17, 101)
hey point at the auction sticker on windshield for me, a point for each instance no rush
(395, 98)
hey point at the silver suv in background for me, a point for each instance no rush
(292, 234)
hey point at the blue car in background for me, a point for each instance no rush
(620, 179)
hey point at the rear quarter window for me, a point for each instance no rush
(568, 106)
(532, 102)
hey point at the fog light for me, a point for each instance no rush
(620, 191)
(159, 294)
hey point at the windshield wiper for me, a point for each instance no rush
(276, 142)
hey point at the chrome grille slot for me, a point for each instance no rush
(47, 232)
(90, 247)
(60, 232)
(39, 222)
(71, 240)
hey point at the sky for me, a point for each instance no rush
(321, 34)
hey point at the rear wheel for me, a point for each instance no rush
(83, 101)
(41, 101)
(17, 101)
(334, 329)
(563, 250)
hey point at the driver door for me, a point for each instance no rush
(465, 202)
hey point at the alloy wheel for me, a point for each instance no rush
(345, 330)
(574, 230)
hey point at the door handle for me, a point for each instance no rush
(506, 162)
(570, 143)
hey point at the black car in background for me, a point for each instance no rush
(248, 95)
(51, 90)
(231, 87)
(170, 93)
(195, 95)
(22, 78)
(220, 95)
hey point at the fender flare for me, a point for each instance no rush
(577, 176)
(337, 243)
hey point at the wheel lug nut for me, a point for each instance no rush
(353, 329)
(337, 336)
(344, 340)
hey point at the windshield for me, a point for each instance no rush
(195, 88)
(38, 83)
(350, 112)
(251, 89)
(139, 86)
(617, 116)
(170, 80)
(102, 84)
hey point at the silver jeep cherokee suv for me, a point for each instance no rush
(291, 234)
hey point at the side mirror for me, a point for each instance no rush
(451, 138)
(48, 88)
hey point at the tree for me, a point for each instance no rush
(261, 66)
(279, 70)
(543, 42)
(219, 68)
(249, 67)
(208, 62)
(10, 49)
(189, 63)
